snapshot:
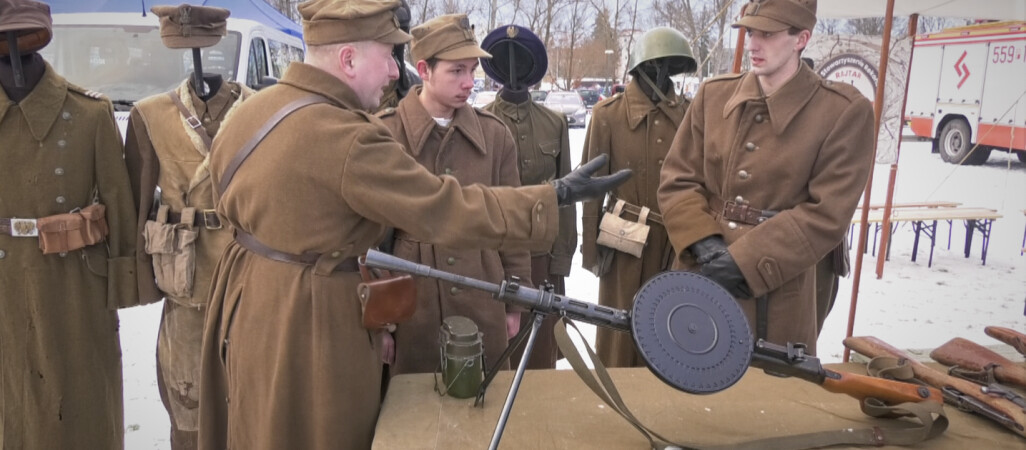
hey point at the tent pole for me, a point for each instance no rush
(913, 24)
(739, 51)
(864, 222)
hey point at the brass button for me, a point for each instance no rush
(750, 146)
(659, 140)
(540, 207)
(58, 171)
(448, 171)
(451, 260)
(655, 122)
(62, 254)
(739, 199)
(60, 199)
(743, 174)
(660, 162)
(759, 118)
(66, 115)
(62, 143)
(336, 254)
(206, 120)
(523, 137)
(732, 225)
(3, 254)
(454, 290)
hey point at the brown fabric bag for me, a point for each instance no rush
(173, 248)
(74, 230)
(386, 299)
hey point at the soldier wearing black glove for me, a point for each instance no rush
(708, 248)
(723, 270)
(580, 185)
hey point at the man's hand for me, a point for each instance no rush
(708, 249)
(725, 271)
(387, 347)
(512, 325)
(580, 185)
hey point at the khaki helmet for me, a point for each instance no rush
(664, 42)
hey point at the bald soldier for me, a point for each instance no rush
(446, 135)
(67, 243)
(765, 173)
(286, 360)
(168, 147)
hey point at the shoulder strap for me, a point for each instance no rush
(259, 136)
(191, 119)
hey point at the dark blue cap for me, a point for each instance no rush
(518, 58)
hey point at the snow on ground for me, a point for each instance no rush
(913, 306)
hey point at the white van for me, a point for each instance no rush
(121, 55)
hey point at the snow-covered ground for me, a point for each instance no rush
(912, 306)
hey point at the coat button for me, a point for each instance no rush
(62, 254)
(743, 174)
(3, 254)
(448, 171)
(58, 171)
(66, 115)
(750, 146)
(62, 143)
(660, 162)
(659, 140)
(523, 137)
(451, 260)
(739, 199)
(454, 290)
(60, 199)
(759, 118)
(336, 254)
(732, 225)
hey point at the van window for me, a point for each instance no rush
(128, 63)
(257, 62)
(281, 55)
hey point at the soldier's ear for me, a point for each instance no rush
(423, 70)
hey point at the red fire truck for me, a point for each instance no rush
(967, 91)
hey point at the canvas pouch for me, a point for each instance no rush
(173, 250)
(621, 234)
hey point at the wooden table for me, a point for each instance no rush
(555, 410)
(925, 204)
(924, 220)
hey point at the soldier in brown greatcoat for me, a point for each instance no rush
(765, 173)
(60, 354)
(286, 360)
(543, 149)
(167, 147)
(635, 129)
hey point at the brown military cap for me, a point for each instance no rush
(189, 26)
(338, 21)
(447, 37)
(778, 15)
(30, 20)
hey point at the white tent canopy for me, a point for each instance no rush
(971, 9)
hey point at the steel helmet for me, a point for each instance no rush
(664, 42)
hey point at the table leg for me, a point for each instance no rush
(916, 226)
(970, 227)
(933, 242)
(985, 231)
(949, 233)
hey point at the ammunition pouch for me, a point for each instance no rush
(621, 234)
(173, 248)
(80, 228)
(385, 299)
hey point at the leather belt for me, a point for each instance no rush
(400, 234)
(739, 212)
(18, 227)
(206, 218)
(653, 217)
(249, 242)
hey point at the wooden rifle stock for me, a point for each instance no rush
(955, 389)
(1008, 336)
(969, 355)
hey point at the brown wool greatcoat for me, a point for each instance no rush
(60, 354)
(543, 149)
(635, 133)
(476, 148)
(806, 152)
(283, 342)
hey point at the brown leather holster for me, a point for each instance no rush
(387, 299)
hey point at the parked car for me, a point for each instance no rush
(539, 96)
(480, 99)
(570, 104)
(590, 97)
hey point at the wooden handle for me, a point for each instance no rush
(889, 391)
(970, 355)
(1008, 336)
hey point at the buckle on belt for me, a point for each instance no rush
(193, 122)
(210, 219)
(24, 227)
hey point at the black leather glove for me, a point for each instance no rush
(708, 248)
(580, 185)
(725, 271)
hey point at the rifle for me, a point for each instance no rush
(1008, 336)
(789, 361)
(976, 361)
(963, 394)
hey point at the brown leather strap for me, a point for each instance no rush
(738, 212)
(249, 242)
(273, 121)
(653, 217)
(5, 226)
(191, 119)
(206, 218)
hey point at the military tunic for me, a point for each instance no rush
(805, 151)
(60, 353)
(476, 148)
(636, 134)
(283, 342)
(163, 150)
(543, 149)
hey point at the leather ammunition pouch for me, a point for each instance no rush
(80, 228)
(621, 234)
(386, 299)
(173, 248)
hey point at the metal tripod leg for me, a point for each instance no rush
(536, 322)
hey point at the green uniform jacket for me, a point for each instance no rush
(476, 148)
(636, 134)
(283, 342)
(806, 152)
(60, 354)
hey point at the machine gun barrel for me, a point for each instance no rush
(511, 292)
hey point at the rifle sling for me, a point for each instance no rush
(602, 384)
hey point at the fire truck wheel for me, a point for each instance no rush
(956, 145)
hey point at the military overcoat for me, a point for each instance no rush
(636, 133)
(60, 354)
(286, 361)
(476, 148)
(805, 151)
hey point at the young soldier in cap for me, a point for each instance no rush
(635, 129)
(287, 362)
(66, 264)
(543, 147)
(765, 173)
(449, 137)
(168, 147)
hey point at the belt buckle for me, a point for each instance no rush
(24, 227)
(210, 217)
(193, 122)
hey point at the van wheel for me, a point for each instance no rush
(956, 146)
(1022, 155)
